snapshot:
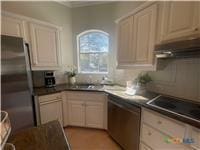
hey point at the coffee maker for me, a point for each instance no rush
(49, 79)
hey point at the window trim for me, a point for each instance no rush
(78, 50)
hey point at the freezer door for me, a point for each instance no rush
(16, 83)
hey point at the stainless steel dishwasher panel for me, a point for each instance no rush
(124, 124)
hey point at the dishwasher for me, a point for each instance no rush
(124, 123)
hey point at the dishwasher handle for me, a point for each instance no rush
(135, 110)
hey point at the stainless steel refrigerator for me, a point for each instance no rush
(16, 83)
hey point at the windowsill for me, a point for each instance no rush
(93, 73)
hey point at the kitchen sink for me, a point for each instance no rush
(88, 86)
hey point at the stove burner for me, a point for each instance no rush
(164, 104)
(182, 107)
(195, 113)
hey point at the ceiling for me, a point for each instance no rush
(73, 4)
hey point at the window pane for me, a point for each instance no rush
(89, 62)
(103, 62)
(94, 42)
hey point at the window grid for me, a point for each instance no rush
(100, 54)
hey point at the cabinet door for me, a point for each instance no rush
(179, 19)
(145, 22)
(144, 147)
(125, 31)
(45, 46)
(51, 110)
(196, 138)
(12, 26)
(95, 114)
(76, 112)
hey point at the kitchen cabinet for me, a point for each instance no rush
(76, 114)
(179, 19)
(144, 147)
(145, 23)
(86, 109)
(44, 46)
(94, 112)
(196, 138)
(12, 26)
(125, 36)
(50, 107)
(157, 129)
(43, 39)
(136, 38)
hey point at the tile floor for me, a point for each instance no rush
(90, 139)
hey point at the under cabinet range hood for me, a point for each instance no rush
(180, 49)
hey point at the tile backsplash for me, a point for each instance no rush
(179, 77)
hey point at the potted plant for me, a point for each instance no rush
(71, 74)
(142, 80)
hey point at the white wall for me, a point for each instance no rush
(50, 12)
(102, 17)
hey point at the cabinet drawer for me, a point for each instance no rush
(196, 137)
(144, 147)
(49, 97)
(86, 96)
(166, 125)
(157, 140)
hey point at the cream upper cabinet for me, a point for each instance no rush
(179, 19)
(125, 30)
(136, 38)
(145, 22)
(43, 39)
(12, 26)
(44, 46)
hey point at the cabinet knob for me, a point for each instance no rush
(149, 133)
(196, 29)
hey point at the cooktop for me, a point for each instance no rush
(181, 107)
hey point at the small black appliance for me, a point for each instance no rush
(49, 79)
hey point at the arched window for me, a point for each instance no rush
(93, 48)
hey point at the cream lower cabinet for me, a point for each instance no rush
(136, 38)
(86, 109)
(94, 113)
(157, 131)
(50, 107)
(179, 19)
(76, 113)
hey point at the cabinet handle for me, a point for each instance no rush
(196, 29)
(149, 133)
(159, 122)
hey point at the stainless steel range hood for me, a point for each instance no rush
(180, 49)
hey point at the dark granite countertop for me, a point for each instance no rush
(149, 96)
(39, 91)
(140, 101)
(49, 136)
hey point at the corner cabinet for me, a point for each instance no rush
(43, 39)
(136, 38)
(179, 20)
(44, 46)
(51, 108)
(86, 109)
